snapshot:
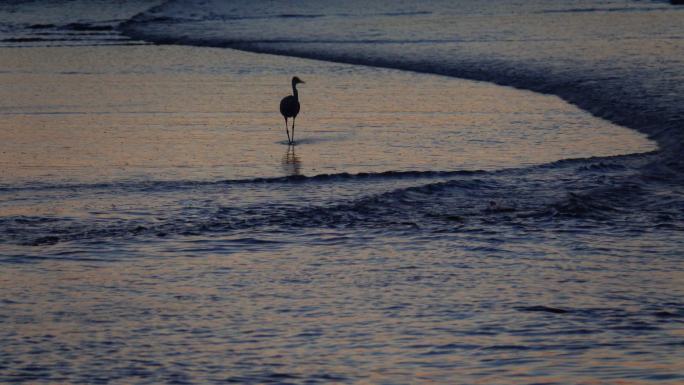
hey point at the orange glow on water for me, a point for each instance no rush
(89, 114)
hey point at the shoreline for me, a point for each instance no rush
(665, 130)
(454, 126)
(156, 227)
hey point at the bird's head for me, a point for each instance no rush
(296, 80)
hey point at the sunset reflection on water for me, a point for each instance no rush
(94, 114)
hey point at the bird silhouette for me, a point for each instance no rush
(289, 107)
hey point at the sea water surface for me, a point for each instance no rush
(155, 227)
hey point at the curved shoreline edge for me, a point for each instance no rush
(665, 129)
(657, 128)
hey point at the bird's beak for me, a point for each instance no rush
(302, 81)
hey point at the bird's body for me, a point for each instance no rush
(289, 108)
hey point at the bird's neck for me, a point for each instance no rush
(294, 91)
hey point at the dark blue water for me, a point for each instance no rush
(567, 272)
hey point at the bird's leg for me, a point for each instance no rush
(287, 131)
(293, 124)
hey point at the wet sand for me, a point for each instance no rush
(93, 114)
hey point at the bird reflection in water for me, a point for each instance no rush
(291, 163)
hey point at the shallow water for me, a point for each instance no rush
(405, 311)
(621, 60)
(156, 228)
(179, 113)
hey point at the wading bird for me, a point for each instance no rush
(289, 107)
